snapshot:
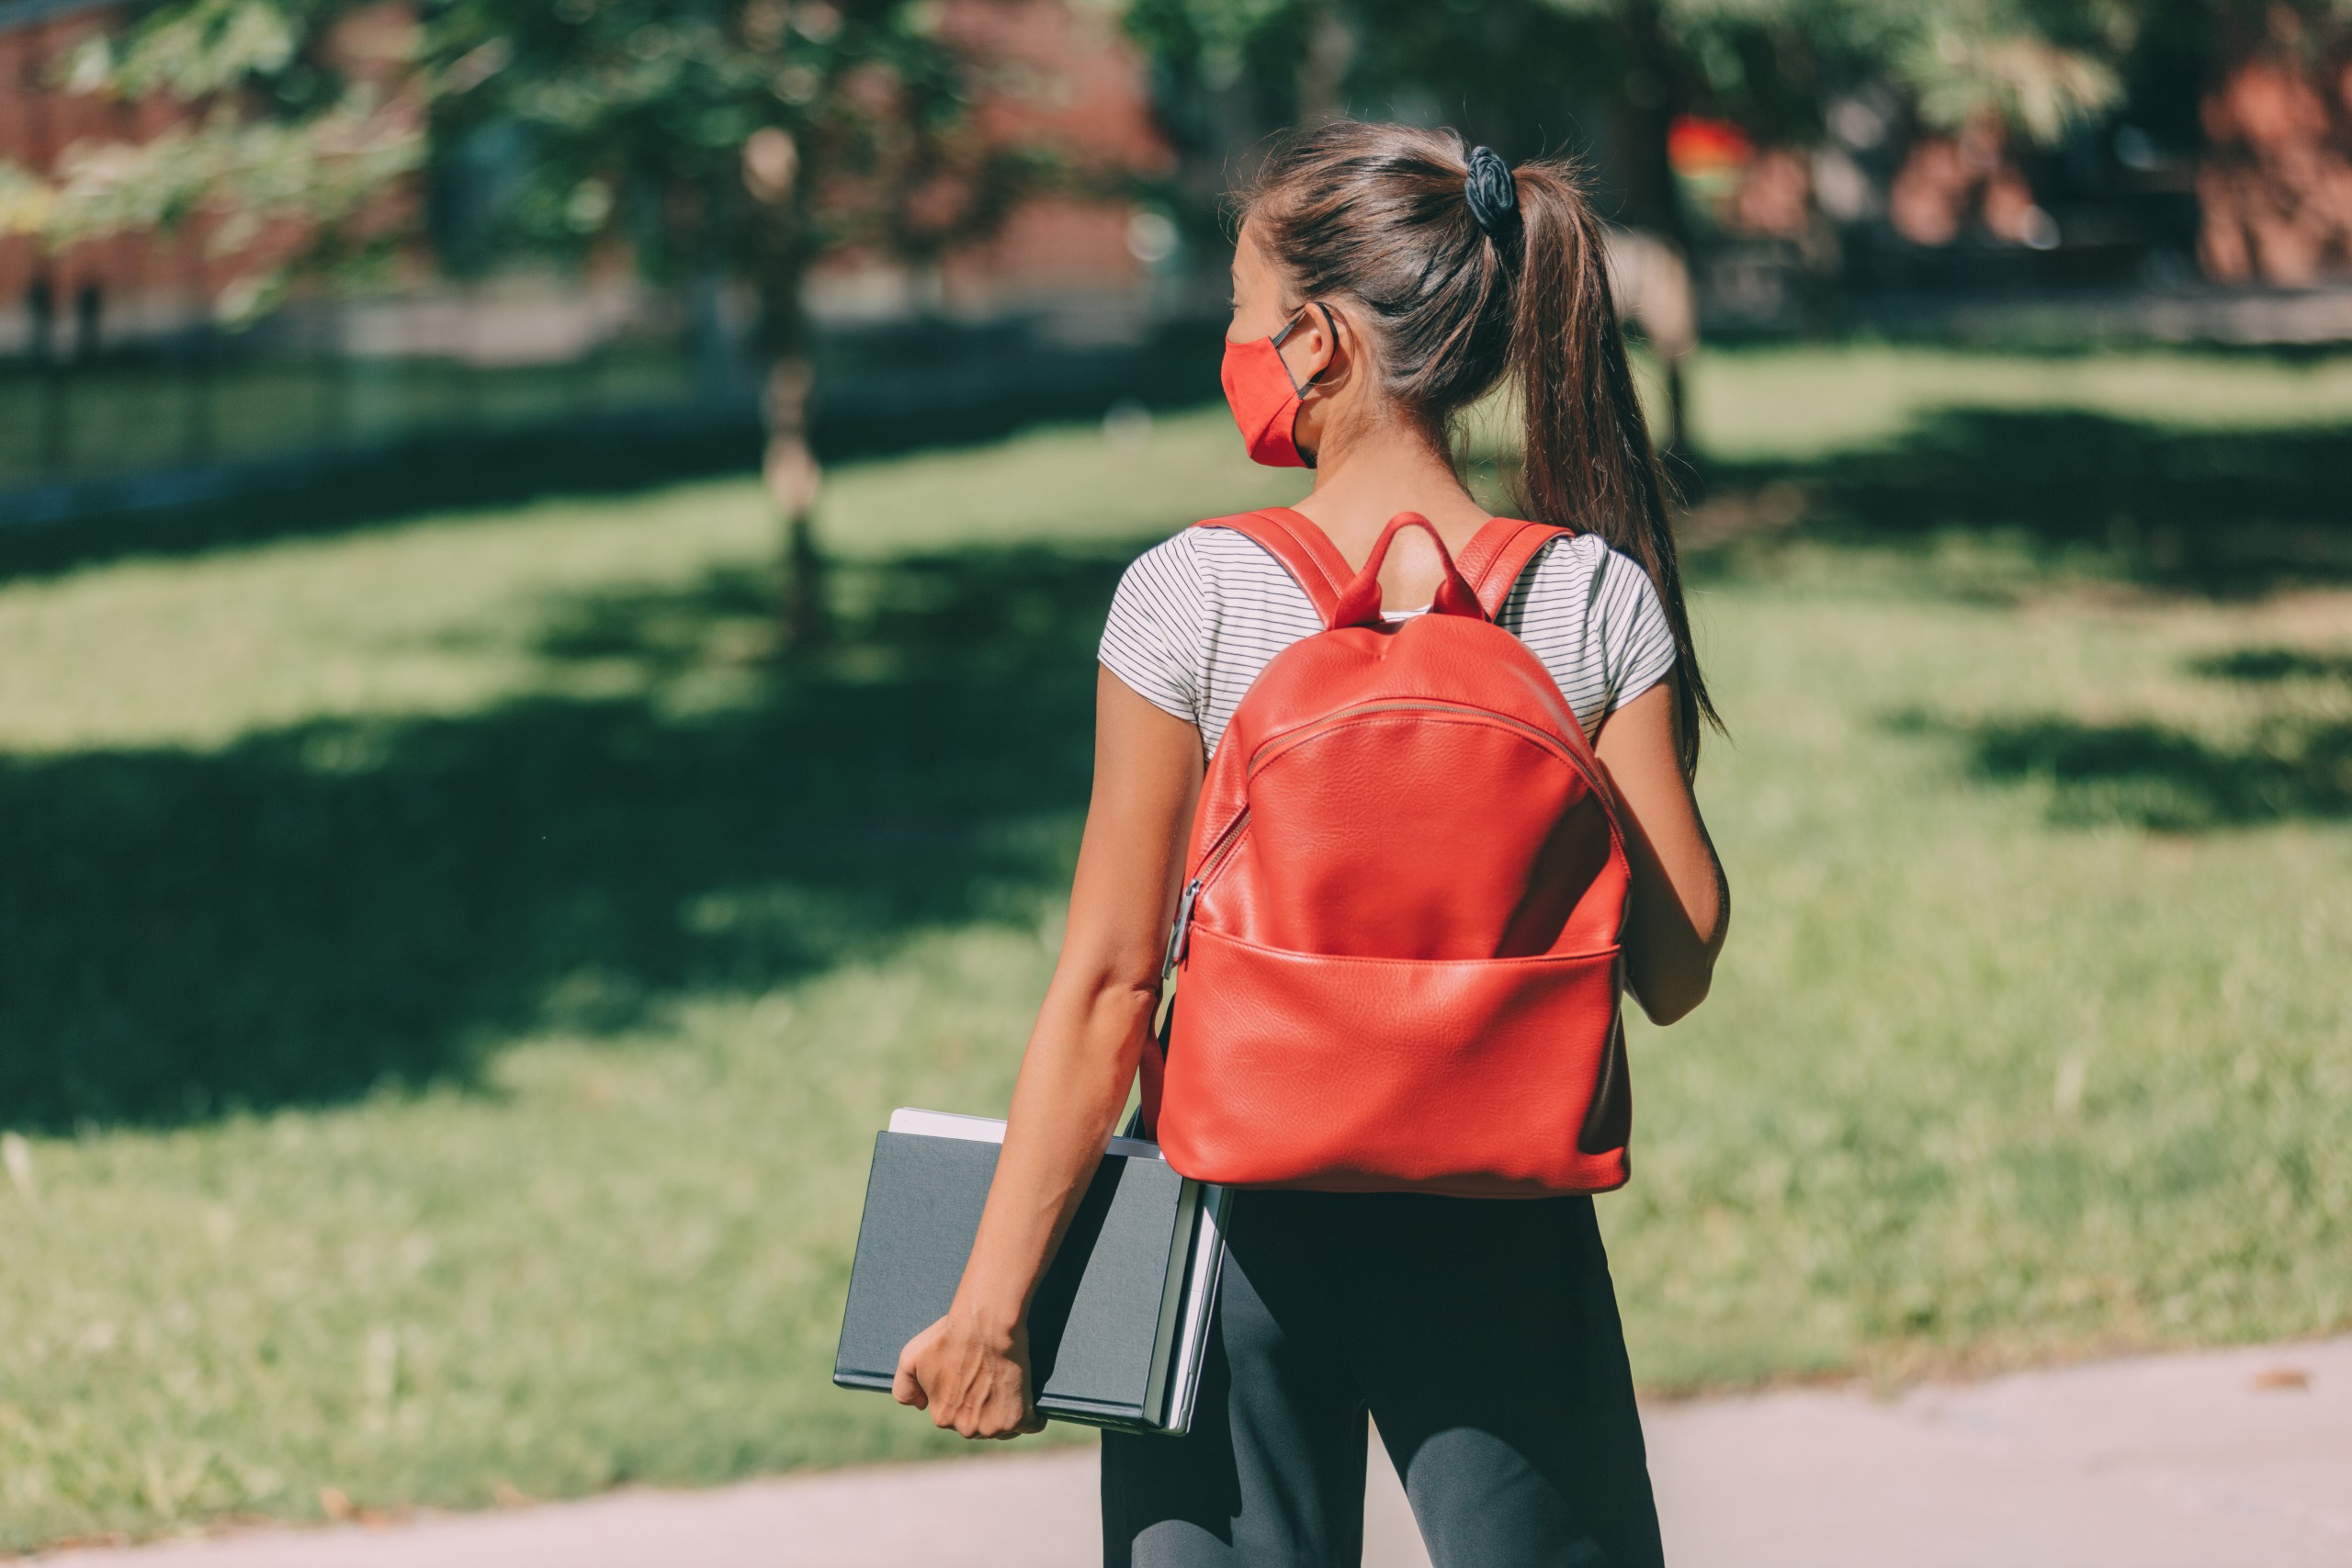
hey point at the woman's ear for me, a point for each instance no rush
(1313, 351)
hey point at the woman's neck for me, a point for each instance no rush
(1364, 476)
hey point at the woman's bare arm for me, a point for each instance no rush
(1681, 904)
(970, 1368)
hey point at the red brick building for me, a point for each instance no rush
(1077, 81)
(1055, 71)
(131, 284)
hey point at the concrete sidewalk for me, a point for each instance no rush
(2209, 1460)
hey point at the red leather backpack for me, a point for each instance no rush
(1397, 947)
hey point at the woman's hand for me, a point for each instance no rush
(969, 1378)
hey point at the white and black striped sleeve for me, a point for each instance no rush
(1636, 642)
(1152, 639)
(1593, 617)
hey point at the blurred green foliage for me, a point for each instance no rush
(1507, 68)
(752, 135)
(1516, 74)
(544, 130)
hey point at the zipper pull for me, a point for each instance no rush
(1180, 933)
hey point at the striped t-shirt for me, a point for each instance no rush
(1197, 616)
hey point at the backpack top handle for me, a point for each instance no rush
(1490, 564)
(1359, 603)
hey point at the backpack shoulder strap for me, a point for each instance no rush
(1498, 553)
(1304, 551)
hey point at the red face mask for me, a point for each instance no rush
(1264, 400)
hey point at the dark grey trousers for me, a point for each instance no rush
(1481, 1335)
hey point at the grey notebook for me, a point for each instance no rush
(1120, 1322)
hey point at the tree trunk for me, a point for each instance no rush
(1653, 202)
(781, 254)
(1321, 84)
(789, 469)
(787, 464)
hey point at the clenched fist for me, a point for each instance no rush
(970, 1378)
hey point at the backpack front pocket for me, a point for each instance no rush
(1480, 1078)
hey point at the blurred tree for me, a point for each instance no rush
(732, 140)
(2263, 96)
(2252, 93)
(709, 141)
(1614, 77)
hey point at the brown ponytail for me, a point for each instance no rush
(1377, 214)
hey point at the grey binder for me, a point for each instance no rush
(1119, 1327)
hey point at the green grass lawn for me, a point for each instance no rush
(451, 975)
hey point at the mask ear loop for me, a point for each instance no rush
(1297, 387)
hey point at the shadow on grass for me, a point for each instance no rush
(2292, 765)
(319, 909)
(2166, 779)
(2272, 664)
(2217, 512)
(881, 392)
(335, 492)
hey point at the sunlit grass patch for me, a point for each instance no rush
(2004, 1061)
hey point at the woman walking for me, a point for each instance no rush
(1386, 280)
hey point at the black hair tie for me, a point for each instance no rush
(1493, 195)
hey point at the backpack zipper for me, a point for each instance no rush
(1180, 933)
(1421, 705)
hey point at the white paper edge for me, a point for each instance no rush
(990, 1130)
(1165, 1338)
(1207, 1263)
